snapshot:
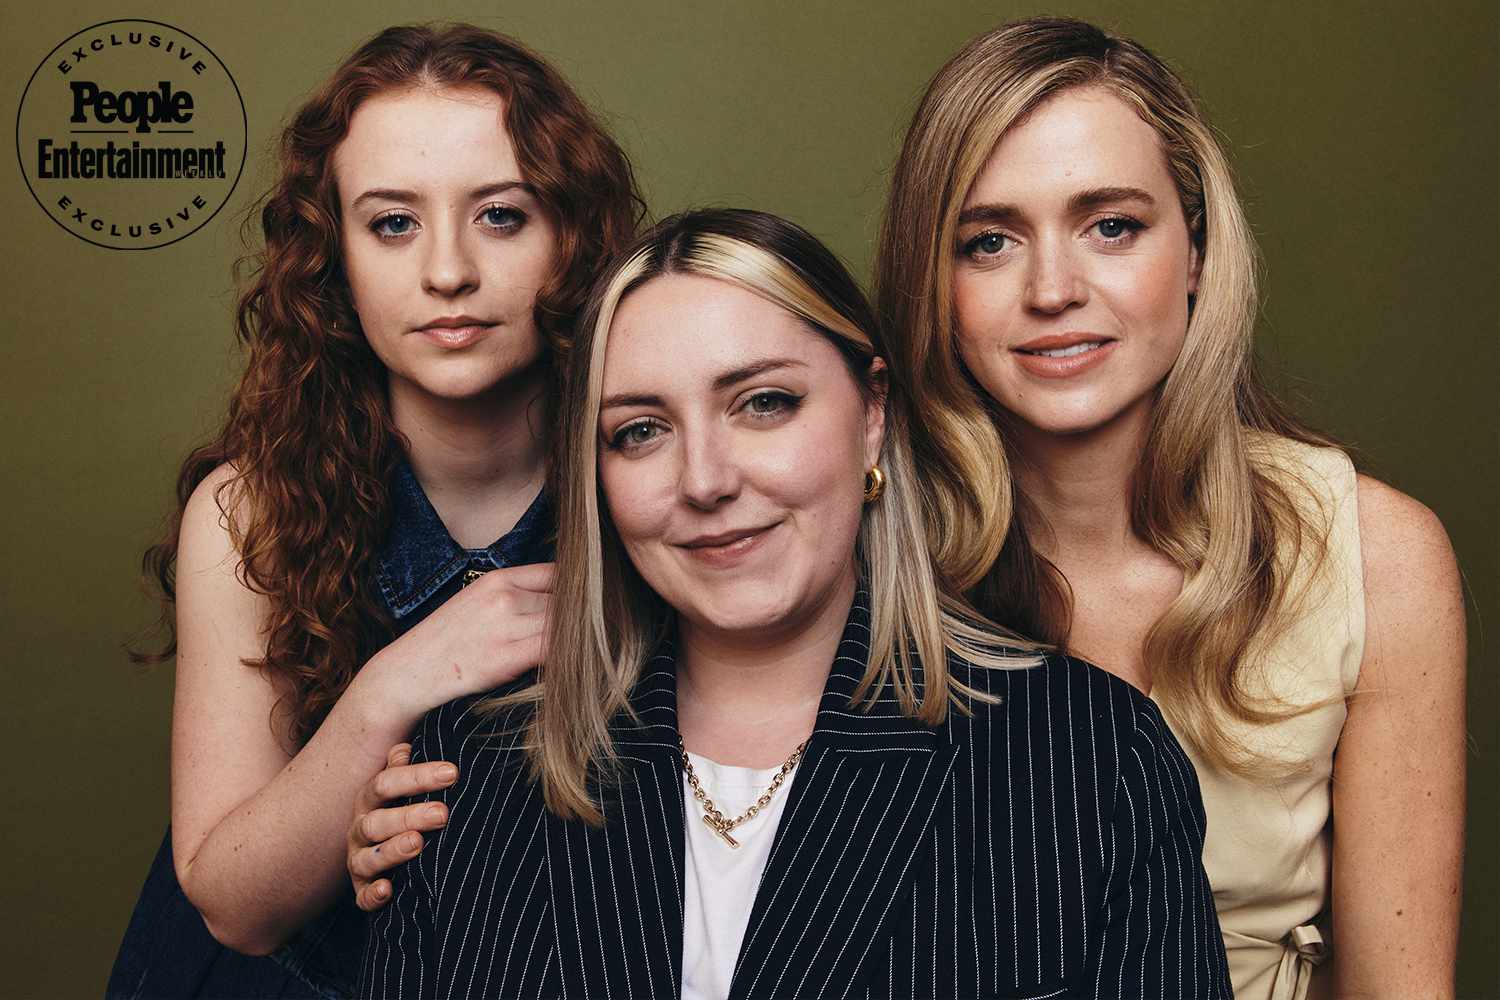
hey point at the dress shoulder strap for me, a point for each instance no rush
(1328, 573)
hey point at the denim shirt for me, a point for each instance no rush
(167, 951)
(421, 566)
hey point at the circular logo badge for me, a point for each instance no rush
(131, 134)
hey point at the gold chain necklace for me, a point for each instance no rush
(716, 820)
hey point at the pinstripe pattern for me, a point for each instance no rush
(1047, 846)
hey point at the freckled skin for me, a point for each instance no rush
(1053, 272)
(712, 465)
(451, 258)
(1056, 273)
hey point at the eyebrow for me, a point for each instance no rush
(1081, 201)
(746, 372)
(401, 194)
(721, 382)
(630, 399)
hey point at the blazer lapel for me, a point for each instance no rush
(617, 891)
(863, 797)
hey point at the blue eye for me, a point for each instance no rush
(1117, 228)
(635, 435)
(502, 217)
(771, 403)
(986, 245)
(394, 225)
(766, 402)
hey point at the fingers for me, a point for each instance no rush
(537, 577)
(401, 774)
(529, 604)
(373, 896)
(380, 825)
(381, 839)
(366, 863)
(398, 755)
(412, 779)
(516, 592)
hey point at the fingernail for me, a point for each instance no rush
(382, 891)
(437, 814)
(448, 773)
(411, 842)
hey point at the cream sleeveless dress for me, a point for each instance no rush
(1268, 850)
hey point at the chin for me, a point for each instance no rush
(460, 385)
(745, 605)
(1063, 425)
(1067, 417)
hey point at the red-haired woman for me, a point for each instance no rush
(443, 202)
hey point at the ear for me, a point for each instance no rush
(878, 392)
(1195, 266)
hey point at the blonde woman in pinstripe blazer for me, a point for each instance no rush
(960, 815)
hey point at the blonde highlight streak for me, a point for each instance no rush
(584, 681)
(760, 272)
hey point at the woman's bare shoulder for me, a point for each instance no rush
(214, 501)
(1413, 588)
(1403, 543)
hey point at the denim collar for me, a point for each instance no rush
(420, 557)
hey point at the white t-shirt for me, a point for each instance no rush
(721, 881)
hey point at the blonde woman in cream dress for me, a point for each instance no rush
(1069, 284)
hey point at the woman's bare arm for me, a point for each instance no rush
(1398, 786)
(259, 826)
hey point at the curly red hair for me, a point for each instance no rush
(309, 433)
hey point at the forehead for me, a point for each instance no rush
(1080, 139)
(426, 138)
(678, 331)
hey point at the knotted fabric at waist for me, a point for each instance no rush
(1275, 970)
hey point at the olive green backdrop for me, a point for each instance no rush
(1365, 138)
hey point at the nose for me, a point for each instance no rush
(1054, 280)
(450, 268)
(709, 475)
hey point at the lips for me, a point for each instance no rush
(455, 331)
(1063, 344)
(728, 547)
(1060, 355)
(1069, 352)
(455, 322)
(723, 538)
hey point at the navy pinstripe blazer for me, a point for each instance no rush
(1045, 846)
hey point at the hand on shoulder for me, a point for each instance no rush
(484, 637)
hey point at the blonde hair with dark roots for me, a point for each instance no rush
(597, 650)
(1206, 494)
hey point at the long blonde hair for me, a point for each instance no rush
(613, 621)
(1205, 494)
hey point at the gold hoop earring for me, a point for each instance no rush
(874, 484)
